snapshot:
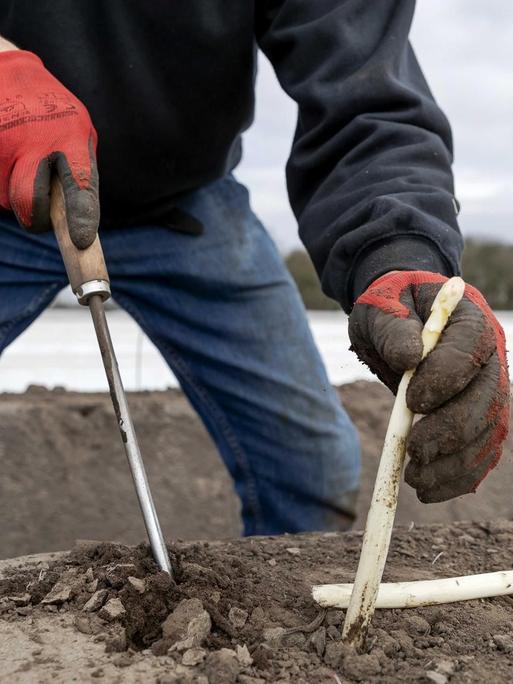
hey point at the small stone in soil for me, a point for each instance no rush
(187, 626)
(91, 587)
(112, 610)
(96, 601)
(244, 656)
(194, 656)
(118, 574)
(60, 593)
(175, 625)
(273, 635)
(138, 584)
(415, 625)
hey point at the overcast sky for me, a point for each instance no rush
(466, 50)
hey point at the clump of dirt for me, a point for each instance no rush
(241, 611)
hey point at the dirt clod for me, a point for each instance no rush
(243, 655)
(238, 617)
(194, 656)
(96, 601)
(273, 635)
(222, 667)
(187, 626)
(60, 593)
(112, 610)
(88, 625)
(335, 653)
(504, 642)
(362, 667)
(318, 641)
(137, 584)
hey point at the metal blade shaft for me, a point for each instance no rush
(128, 435)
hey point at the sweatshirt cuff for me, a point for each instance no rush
(398, 254)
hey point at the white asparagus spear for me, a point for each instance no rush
(380, 518)
(422, 592)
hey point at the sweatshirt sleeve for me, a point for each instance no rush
(369, 175)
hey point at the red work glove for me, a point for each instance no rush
(462, 386)
(45, 129)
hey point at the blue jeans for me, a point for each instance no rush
(226, 316)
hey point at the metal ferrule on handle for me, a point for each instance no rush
(93, 287)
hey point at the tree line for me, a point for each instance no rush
(487, 265)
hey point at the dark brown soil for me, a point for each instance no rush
(257, 596)
(244, 611)
(64, 473)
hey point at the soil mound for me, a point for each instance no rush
(241, 611)
(64, 472)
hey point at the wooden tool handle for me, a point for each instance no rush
(82, 265)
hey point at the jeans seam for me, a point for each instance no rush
(217, 415)
(30, 309)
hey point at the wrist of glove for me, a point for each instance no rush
(461, 387)
(44, 129)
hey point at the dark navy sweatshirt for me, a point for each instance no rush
(169, 85)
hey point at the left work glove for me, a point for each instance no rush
(44, 129)
(462, 386)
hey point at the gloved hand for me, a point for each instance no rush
(462, 386)
(45, 129)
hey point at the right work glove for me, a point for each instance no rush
(461, 388)
(44, 129)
